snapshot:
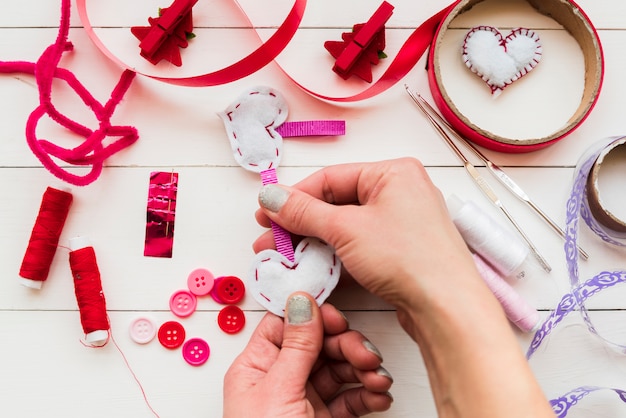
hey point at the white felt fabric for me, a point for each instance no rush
(500, 61)
(251, 123)
(272, 277)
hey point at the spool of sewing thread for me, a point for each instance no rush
(498, 246)
(44, 238)
(516, 308)
(88, 289)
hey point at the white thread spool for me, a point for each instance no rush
(497, 245)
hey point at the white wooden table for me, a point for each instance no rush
(44, 368)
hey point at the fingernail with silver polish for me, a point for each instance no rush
(381, 371)
(273, 197)
(299, 310)
(372, 349)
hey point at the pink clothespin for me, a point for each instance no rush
(166, 33)
(354, 55)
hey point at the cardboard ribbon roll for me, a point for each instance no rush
(575, 21)
(584, 202)
(612, 224)
(429, 33)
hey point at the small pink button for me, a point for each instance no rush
(183, 303)
(142, 330)
(200, 282)
(196, 351)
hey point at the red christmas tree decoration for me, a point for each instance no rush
(166, 33)
(361, 48)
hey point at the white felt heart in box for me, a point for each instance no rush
(272, 277)
(500, 61)
(251, 123)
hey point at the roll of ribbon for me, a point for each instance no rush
(575, 21)
(565, 12)
(585, 196)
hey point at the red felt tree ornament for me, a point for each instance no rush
(361, 48)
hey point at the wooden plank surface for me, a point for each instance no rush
(46, 371)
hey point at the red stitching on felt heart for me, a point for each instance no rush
(249, 138)
(314, 279)
(515, 64)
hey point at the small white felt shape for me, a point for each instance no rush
(500, 61)
(251, 123)
(272, 277)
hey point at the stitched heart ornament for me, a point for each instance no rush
(272, 277)
(251, 123)
(499, 60)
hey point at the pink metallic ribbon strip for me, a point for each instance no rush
(312, 128)
(161, 210)
(282, 237)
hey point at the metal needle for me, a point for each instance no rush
(502, 177)
(482, 184)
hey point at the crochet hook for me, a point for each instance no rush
(481, 182)
(502, 177)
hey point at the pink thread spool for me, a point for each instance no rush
(497, 245)
(517, 310)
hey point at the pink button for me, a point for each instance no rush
(200, 282)
(142, 330)
(196, 351)
(183, 303)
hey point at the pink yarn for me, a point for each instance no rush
(91, 152)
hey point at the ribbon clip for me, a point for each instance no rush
(166, 33)
(354, 54)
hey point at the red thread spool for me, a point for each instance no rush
(44, 238)
(89, 294)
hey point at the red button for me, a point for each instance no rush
(196, 351)
(200, 282)
(171, 334)
(231, 319)
(183, 303)
(228, 290)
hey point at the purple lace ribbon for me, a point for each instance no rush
(562, 405)
(578, 206)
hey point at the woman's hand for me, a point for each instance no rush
(299, 366)
(387, 221)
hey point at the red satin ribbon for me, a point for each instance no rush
(468, 132)
(408, 55)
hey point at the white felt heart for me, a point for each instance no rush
(500, 61)
(251, 123)
(272, 277)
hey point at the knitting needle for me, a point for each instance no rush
(482, 184)
(502, 176)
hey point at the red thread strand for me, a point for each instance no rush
(88, 289)
(44, 238)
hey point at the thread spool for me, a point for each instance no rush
(89, 294)
(498, 246)
(44, 238)
(516, 308)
